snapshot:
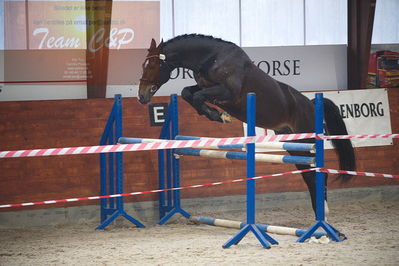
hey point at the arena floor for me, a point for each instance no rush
(371, 227)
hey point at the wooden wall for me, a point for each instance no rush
(66, 123)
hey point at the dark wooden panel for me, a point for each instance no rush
(66, 123)
(360, 29)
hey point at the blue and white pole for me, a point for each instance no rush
(270, 158)
(273, 229)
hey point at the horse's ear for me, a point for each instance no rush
(153, 44)
(160, 44)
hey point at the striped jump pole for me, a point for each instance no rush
(279, 230)
(283, 146)
(270, 158)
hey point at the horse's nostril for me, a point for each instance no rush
(141, 98)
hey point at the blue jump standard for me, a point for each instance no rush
(172, 204)
(111, 170)
(320, 179)
(261, 235)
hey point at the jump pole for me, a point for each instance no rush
(280, 146)
(270, 158)
(280, 230)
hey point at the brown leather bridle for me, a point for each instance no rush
(161, 58)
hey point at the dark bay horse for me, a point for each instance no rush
(224, 75)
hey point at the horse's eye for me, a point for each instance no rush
(153, 89)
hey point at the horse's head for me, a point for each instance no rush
(154, 73)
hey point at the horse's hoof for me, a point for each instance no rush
(226, 118)
(342, 236)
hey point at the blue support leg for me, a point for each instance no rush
(237, 237)
(132, 220)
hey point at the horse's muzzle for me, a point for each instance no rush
(145, 96)
(143, 99)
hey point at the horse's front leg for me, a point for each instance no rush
(211, 94)
(188, 94)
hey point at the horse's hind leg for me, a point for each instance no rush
(308, 177)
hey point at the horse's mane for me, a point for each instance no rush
(195, 36)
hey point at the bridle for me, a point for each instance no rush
(162, 59)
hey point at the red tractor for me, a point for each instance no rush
(383, 69)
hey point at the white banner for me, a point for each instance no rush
(306, 68)
(363, 111)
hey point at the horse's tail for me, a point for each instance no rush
(335, 125)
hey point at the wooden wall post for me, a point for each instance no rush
(360, 29)
(98, 16)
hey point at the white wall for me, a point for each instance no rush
(218, 16)
(386, 22)
(272, 22)
(326, 22)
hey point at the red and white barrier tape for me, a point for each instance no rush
(324, 170)
(150, 191)
(332, 171)
(160, 145)
(365, 136)
(174, 144)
